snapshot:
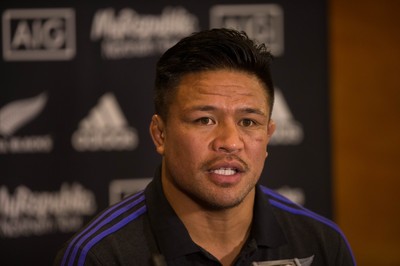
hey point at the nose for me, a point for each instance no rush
(228, 138)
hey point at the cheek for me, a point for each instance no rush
(183, 157)
(258, 147)
(184, 146)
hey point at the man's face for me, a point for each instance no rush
(215, 138)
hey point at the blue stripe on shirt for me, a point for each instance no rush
(291, 207)
(116, 210)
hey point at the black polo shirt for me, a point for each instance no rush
(143, 226)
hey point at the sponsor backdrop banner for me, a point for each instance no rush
(76, 92)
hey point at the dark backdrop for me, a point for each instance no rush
(76, 100)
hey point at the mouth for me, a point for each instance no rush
(225, 176)
(225, 171)
(226, 167)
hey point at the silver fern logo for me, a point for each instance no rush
(18, 113)
(14, 116)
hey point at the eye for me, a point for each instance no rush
(205, 121)
(247, 123)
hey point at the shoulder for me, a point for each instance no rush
(303, 227)
(111, 232)
(287, 208)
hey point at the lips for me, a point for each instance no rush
(226, 173)
(226, 166)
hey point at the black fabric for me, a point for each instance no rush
(281, 230)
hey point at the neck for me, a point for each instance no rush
(221, 232)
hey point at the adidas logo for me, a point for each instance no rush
(105, 128)
(16, 115)
(288, 130)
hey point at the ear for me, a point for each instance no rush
(271, 128)
(157, 133)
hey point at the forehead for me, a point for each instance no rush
(229, 86)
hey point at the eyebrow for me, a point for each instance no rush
(249, 110)
(208, 108)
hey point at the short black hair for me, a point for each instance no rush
(207, 50)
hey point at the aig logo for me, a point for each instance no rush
(38, 34)
(263, 23)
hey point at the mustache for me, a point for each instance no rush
(226, 158)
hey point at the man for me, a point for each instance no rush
(214, 98)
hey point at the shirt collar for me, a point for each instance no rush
(174, 240)
(265, 228)
(171, 235)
